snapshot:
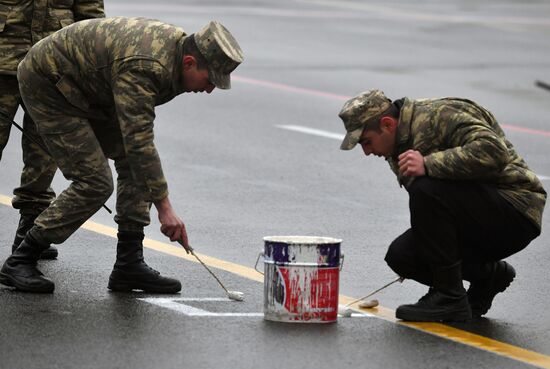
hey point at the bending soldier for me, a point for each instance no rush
(91, 89)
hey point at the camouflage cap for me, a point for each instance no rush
(357, 111)
(221, 51)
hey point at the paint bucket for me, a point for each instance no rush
(301, 278)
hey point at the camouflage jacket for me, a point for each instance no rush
(462, 141)
(25, 22)
(117, 70)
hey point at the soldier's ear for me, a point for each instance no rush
(388, 123)
(189, 61)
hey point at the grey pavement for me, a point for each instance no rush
(235, 176)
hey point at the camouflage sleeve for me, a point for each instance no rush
(87, 9)
(135, 88)
(475, 150)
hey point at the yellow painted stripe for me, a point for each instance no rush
(436, 329)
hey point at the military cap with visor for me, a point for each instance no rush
(221, 51)
(360, 110)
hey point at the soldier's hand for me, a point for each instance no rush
(170, 224)
(411, 164)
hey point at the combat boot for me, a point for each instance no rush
(486, 281)
(20, 271)
(132, 273)
(25, 224)
(445, 301)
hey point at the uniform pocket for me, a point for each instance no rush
(72, 93)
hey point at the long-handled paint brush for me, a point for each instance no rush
(346, 311)
(232, 295)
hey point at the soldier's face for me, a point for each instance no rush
(195, 79)
(380, 143)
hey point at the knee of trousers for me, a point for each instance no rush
(397, 260)
(100, 187)
(424, 191)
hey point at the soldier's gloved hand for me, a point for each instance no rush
(170, 224)
(411, 164)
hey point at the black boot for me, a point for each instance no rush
(20, 270)
(25, 224)
(486, 280)
(130, 271)
(446, 301)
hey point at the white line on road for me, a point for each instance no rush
(338, 136)
(313, 131)
(175, 305)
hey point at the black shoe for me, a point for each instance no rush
(20, 270)
(26, 222)
(132, 273)
(447, 301)
(482, 291)
(436, 306)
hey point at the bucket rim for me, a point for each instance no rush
(302, 240)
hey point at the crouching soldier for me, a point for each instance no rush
(473, 200)
(91, 90)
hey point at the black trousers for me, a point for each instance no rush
(454, 221)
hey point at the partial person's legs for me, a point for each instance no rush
(35, 193)
(130, 271)
(38, 194)
(9, 102)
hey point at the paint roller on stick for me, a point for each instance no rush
(232, 295)
(346, 311)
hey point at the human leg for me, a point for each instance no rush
(130, 271)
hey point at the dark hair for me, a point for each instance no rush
(373, 124)
(190, 48)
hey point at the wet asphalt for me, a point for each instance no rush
(236, 176)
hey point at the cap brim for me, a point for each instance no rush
(221, 81)
(351, 139)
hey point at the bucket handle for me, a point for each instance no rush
(261, 254)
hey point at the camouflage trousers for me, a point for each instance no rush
(80, 143)
(34, 193)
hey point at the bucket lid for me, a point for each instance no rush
(302, 240)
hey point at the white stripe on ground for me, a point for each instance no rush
(313, 131)
(175, 305)
(338, 136)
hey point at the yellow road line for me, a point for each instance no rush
(436, 329)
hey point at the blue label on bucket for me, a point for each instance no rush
(324, 255)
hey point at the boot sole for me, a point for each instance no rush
(11, 282)
(458, 316)
(129, 287)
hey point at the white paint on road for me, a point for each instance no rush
(175, 304)
(338, 136)
(313, 131)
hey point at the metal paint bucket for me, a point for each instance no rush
(301, 278)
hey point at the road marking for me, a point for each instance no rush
(436, 329)
(313, 131)
(176, 305)
(309, 91)
(338, 136)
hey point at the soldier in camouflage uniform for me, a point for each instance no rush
(92, 89)
(22, 24)
(473, 201)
